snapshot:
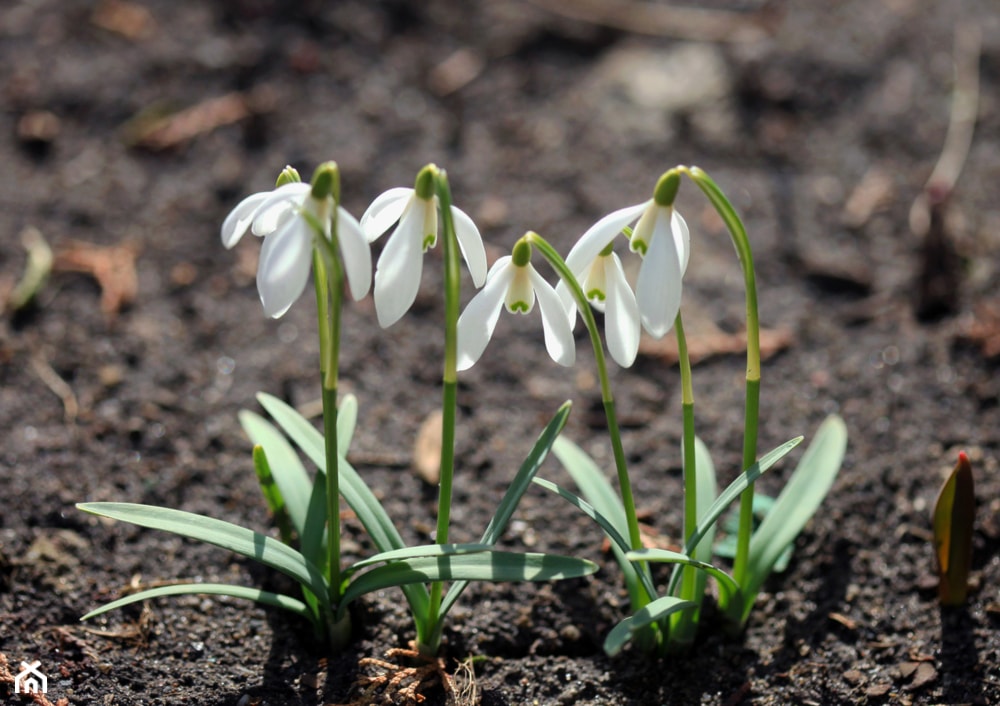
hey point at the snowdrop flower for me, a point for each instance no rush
(602, 278)
(291, 218)
(397, 277)
(661, 236)
(514, 283)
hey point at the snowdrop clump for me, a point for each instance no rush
(309, 236)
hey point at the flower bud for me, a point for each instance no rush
(289, 175)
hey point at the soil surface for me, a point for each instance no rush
(128, 131)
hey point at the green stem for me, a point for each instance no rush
(752, 406)
(685, 622)
(583, 306)
(449, 402)
(330, 381)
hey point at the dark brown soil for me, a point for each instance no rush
(542, 124)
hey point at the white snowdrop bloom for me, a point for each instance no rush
(515, 284)
(397, 276)
(602, 278)
(290, 218)
(661, 236)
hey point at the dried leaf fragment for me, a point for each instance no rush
(113, 266)
(155, 131)
(707, 345)
(129, 19)
(427, 449)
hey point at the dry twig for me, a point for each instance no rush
(697, 24)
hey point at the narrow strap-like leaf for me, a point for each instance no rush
(421, 552)
(727, 585)
(742, 482)
(798, 501)
(357, 494)
(272, 494)
(521, 482)
(596, 489)
(494, 566)
(618, 542)
(241, 540)
(287, 470)
(656, 610)
(217, 589)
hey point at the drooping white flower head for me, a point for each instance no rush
(291, 218)
(513, 283)
(602, 278)
(397, 276)
(661, 236)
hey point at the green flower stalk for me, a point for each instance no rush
(607, 398)
(752, 405)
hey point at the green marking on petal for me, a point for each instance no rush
(595, 294)
(639, 246)
(518, 307)
(430, 240)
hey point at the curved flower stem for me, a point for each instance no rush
(583, 306)
(752, 406)
(449, 403)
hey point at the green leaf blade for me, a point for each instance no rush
(225, 535)
(492, 566)
(256, 595)
(797, 503)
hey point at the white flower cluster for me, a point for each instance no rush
(294, 215)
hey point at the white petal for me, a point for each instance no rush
(397, 277)
(558, 334)
(520, 297)
(642, 235)
(658, 289)
(471, 244)
(567, 301)
(283, 271)
(621, 314)
(385, 210)
(597, 237)
(356, 253)
(272, 213)
(479, 320)
(273, 217)
(682, 238)
(240, 218)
